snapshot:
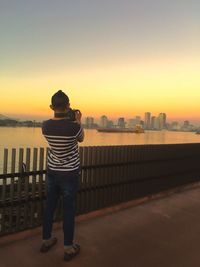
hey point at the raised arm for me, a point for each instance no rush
(80, 134)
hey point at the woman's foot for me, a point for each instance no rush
(71, 251)
(47, 244)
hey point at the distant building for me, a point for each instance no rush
(103, 121)
(187, 127)
(110, 124)
(157, 124)
(147, 120)
(162, 120)
(89, 122)
(186, 124)
(138, 119)
(121, 123)
(175, 126)
(167, 126)
(132, 123)
(141, 123)
(153, 123)
(4, 121)
(9, 122)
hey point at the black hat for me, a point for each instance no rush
(59, 100)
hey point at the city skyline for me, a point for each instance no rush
(115, 57)
(147, 122)
(97, 119)
(156, 122)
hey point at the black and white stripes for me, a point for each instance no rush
(63, 139)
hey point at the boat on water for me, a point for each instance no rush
(136, 129)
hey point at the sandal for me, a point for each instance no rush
(45, 248)
(68, 255)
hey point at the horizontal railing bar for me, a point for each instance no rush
(90, 188)
(21, 174)
(24, 174)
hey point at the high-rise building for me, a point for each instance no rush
(186, 124)
(132, 123)
(104, 121)
(175, 126)
(138, 119)
(153, 123)
(147, 120)
(89, 122)
(121, 123)
(162, 120)
(110, 124)
(157, 123)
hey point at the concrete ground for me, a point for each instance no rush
(160, 233)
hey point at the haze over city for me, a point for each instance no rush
(119, 58)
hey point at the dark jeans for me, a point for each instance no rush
(65, 183)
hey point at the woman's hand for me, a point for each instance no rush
(78, 116)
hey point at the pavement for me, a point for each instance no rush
(161, 232)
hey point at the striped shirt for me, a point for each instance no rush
(62, 136)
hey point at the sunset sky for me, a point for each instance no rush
(113, 57)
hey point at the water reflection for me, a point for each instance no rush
(32, 137)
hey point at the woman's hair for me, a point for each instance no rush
(59, 100)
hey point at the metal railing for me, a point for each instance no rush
(110, 175)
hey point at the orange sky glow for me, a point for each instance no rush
(109, 58)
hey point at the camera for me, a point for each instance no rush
(71, 114)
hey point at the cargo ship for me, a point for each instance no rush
(136, 129)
